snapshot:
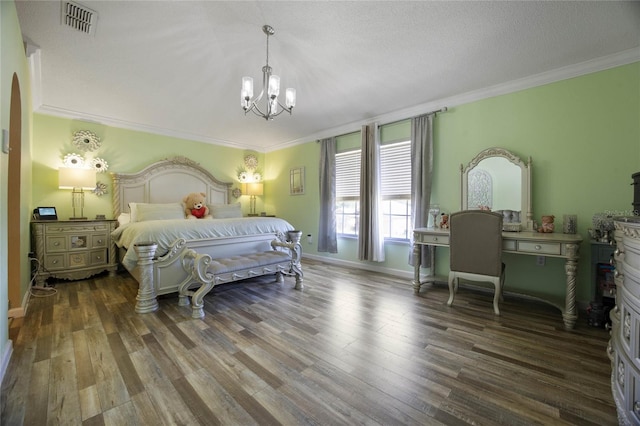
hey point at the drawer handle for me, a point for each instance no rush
(538, 247)
(435, 238)
(99, 257)
(56, 243)
(617, 274)
(54, 262)
(100, 241)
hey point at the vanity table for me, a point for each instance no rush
(526, 243)
(498, 180)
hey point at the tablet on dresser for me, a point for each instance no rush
(45, 213)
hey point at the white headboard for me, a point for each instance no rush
(166, 181)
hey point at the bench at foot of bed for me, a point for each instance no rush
(210, 272)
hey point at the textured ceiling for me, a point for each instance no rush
(174, 67)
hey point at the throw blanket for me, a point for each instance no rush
(166, 232)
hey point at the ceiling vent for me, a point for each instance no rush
(79, 17)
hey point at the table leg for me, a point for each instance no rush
(570, 314)
(417, 259)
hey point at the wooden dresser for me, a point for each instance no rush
(73, 250)
(624, 347)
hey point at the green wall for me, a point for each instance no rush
(13, 62)
(126, 151)
(583, 135)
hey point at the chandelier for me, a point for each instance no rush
(270, 84)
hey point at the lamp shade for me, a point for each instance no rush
(70, 178)
(253, 189)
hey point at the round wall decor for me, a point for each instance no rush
(86, 140)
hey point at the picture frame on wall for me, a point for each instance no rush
(296, 181)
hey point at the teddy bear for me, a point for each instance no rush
(194, 206)
(547, 224)
(444, 221)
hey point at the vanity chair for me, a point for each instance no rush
(476, 251)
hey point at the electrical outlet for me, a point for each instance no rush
(540, 260)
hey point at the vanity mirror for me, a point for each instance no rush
(499, 180)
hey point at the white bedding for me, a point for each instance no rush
(166, 232)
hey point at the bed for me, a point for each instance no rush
(152, 239)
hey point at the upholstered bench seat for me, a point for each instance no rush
(255, 262)
(208, 272)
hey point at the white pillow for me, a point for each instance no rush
(225, 211)
(141, 212)
(124, 218)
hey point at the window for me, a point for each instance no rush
(348, 193)
(395, 171)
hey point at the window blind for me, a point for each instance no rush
(395, 169)
(348, 174)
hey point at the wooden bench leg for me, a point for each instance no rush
(188, 264)
(198, 300)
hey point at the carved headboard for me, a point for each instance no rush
(166, 181)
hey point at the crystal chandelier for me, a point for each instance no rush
(270, 83)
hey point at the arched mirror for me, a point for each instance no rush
(498, 180)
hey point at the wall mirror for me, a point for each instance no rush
(499, 180)
(296, 181)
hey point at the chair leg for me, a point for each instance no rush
(452, 288)
(498, 293)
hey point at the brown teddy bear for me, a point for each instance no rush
(194, 206)
(547, 224)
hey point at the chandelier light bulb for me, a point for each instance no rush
(274, 86)
(290, 98)
(247, 86)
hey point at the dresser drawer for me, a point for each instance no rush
(99, 240)
(98, 257)
(539, 248)
(57, 243)
(432, 239)
(79, 259)
(53, 262)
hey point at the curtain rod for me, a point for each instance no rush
(443, 109)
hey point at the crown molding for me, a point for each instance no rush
(588, 67)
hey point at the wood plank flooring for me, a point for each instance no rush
(353, 347)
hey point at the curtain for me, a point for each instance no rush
(327, 240)
(421, 178)
(370, 235)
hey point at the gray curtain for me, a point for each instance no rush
(421, 178)
(327, 240)
(370, 236)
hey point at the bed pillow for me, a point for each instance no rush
(141, 212)
(225, 211)
(124, 218)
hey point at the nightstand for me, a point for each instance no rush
(73, 249)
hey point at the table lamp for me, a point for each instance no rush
(77, 180)
(252, 189)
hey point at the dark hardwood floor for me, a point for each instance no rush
(353, 347)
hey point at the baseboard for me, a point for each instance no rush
(6, 357)
(361, 265)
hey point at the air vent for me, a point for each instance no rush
(79, 17)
